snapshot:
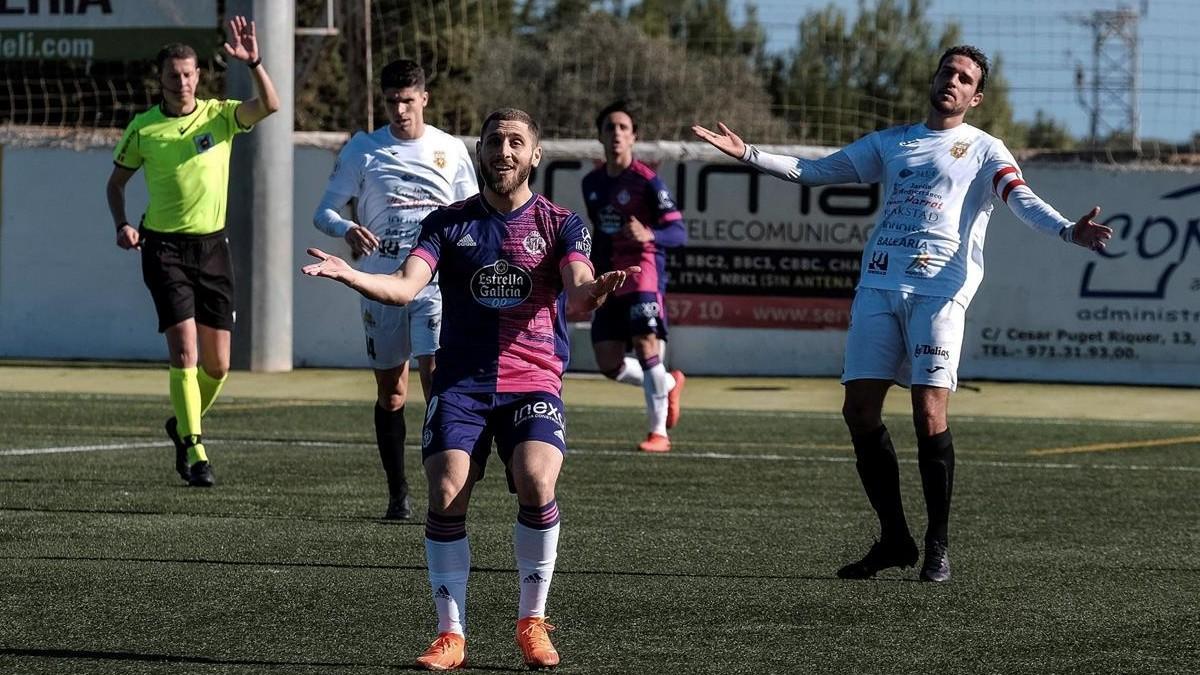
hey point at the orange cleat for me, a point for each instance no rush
(673, 399)
(448, 652)
(534, 639)
(655, 443)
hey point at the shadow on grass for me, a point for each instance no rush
(180, 658)
(234, 516)
(421, 568)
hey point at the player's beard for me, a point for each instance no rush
(505, 185)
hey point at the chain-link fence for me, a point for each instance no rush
(797, 73)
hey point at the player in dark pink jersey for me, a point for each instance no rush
(635, 220)
(511, 264)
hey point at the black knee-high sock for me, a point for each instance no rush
(389, 436)
(935, 457)
(880, 475)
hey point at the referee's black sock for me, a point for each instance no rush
(389, 436)
(880, 475)
(935, 457)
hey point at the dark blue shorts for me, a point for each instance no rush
(623, 317)
(456, 420)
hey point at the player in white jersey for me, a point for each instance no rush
(923, 264)
(397, 175)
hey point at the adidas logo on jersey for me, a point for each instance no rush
(534, 578)
(442, 593)
(467, 240)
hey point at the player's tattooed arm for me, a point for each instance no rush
(397, 288)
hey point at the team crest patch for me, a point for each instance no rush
(439, 159)
(203, 142)
(623, 197)
(959, 149)
(534, 244)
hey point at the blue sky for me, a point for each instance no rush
(1040, 44)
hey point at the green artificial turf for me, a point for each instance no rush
(716, 558)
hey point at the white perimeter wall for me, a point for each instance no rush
(67, 291)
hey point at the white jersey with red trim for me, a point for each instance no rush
(938, 190)
(397, 182)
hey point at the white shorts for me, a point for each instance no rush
(396, 334)
(907, 338)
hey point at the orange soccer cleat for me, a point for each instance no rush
(655, 443)
(533, 636)
(448, 651)
(673, 399)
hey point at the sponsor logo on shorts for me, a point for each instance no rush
(426, 437)
(544, 410)
(645, 310)
(501, 285)
(931, 350)
(934, 369)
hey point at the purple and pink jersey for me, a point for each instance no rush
(639, 192)
(503, 318)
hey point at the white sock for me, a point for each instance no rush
(536, 551)
(631, 372)
(449, 566)
(657, 384)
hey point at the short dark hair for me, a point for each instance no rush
(511, 115)
(402, 74)
(975, 54)
(175, 50)
(620, 105)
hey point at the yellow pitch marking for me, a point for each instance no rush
(1105, 447)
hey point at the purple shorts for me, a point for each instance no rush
(457, 420)
(625, 316)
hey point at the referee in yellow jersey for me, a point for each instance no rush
(183, 144)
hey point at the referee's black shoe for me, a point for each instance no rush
(201, 475)
(937, 562)
(181, 463)
(885, 553)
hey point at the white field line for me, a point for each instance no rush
(679, 456)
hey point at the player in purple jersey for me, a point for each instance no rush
(920, 270)
(511, 265)
(635, 220)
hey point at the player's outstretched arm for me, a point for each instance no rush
(835, 168)
(726, 141)
(585, 292)
(397, 288)
(1090, 234)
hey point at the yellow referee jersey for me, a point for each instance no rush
(186, 160)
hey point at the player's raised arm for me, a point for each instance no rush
(586, 292)
(1090, 234)
(836, 168)
(1010, 187)
(397, 288)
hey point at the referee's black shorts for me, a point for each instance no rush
(189, 276)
